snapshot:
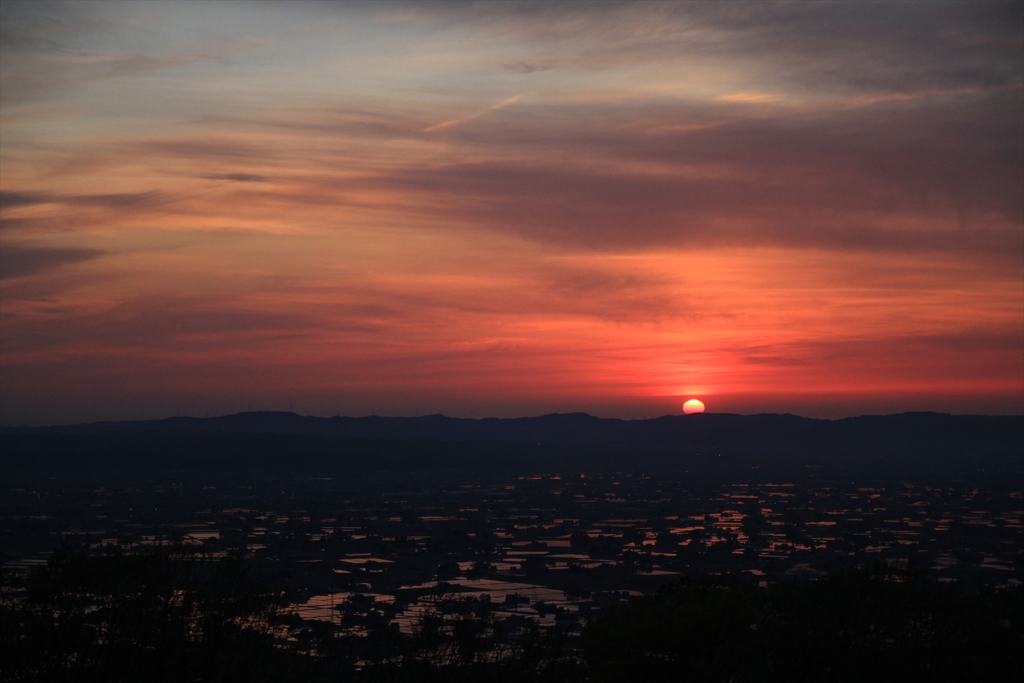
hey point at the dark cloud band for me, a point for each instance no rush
(18, 261)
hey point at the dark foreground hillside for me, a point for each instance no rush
(169, 614)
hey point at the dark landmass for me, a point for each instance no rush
(290, 443)
(729, 547)
(765, 433)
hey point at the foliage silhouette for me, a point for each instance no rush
(170, 614)
(174, 614)
(887, 623)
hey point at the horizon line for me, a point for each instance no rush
(481, 419)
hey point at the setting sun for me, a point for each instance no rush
(693, 406)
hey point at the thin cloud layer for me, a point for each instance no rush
(18, 261)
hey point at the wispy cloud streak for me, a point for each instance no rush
(466, 119)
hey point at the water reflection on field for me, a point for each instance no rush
(545, 547)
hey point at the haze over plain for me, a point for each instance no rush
(509, 209)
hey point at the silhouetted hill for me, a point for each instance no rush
(764, 433)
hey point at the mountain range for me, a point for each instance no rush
(709, 431)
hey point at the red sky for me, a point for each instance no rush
(510, 209)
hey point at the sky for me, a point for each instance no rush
(510, 209)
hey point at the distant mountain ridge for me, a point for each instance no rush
(708, 431)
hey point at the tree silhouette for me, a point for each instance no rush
(170, 614)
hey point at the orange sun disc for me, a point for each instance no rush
(693, 406)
